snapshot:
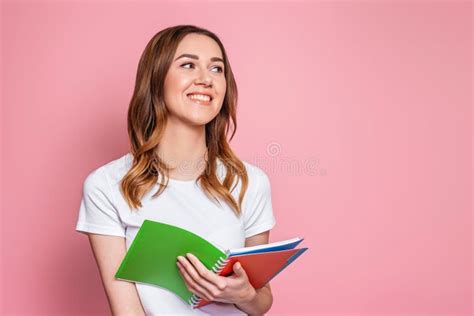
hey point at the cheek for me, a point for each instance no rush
(177, 81)
(175, 85)
(173, 91)
(221, 88)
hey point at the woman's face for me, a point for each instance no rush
(196, 73)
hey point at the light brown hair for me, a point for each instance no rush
(147, 116)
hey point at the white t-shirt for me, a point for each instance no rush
(104, 211)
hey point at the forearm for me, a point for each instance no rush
(259, 304)
(123, 299)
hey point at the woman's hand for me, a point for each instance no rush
(203, 282)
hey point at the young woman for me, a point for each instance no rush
(180, 171)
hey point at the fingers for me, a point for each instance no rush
(206, 273)
(192, 286)
(237, 267)
(198, 277)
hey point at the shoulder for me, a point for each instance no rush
(253, 169)
(108, 173)
(257, 209)
(258, 178)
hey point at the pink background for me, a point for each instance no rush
(370, 103)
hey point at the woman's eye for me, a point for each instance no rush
(186, 64)
(218, 67)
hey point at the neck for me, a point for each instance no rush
(182, 145)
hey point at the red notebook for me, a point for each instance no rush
(261, 263)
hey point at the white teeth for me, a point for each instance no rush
(201, 97)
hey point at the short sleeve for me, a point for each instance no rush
(97, 214)
(258, 212)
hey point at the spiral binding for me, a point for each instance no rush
(217, 268)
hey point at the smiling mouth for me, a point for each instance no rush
(200, 99)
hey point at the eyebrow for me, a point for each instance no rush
(196, 57)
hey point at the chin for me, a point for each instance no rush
(201, 118)
(198, 121)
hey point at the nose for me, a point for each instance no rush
(203, 77)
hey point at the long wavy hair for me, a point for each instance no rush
(147, 117)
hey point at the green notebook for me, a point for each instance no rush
(142, 265)
(152, 256)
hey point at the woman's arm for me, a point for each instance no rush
(122, 296)
(263, 299)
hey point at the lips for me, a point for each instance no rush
(199, 101)
(202, 93)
